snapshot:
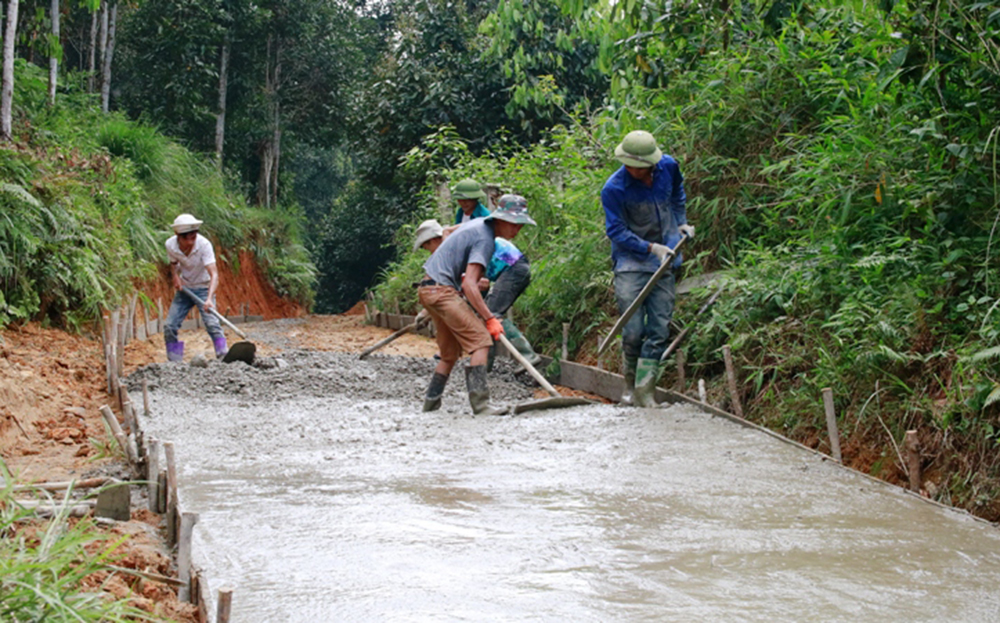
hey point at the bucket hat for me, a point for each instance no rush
(428, 230)
(467, 189)
(513, 209)
(185, 223)
(638, 149)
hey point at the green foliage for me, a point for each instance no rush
(84, 215)
(43, 566)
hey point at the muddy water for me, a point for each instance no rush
(326, 495)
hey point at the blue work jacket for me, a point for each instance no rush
(636, 215)
(479, 212)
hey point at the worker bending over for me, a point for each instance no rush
(456, 268)
(192, 265)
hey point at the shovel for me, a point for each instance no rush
(240, 351)
(421, 318)
(557, 401)
(665, 266)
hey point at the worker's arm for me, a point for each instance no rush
(470, 288)
(213, 273)
(175, 270)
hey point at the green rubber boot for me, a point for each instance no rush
(520, 342)
(479, 392)
(629, 373)
(647, 373)
(432, 400)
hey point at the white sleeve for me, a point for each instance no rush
(208, 254)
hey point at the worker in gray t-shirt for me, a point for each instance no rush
(455, 269)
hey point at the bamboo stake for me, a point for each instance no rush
(161, 491)
(188, 521)
(913, 461)
(145, 397)
(734, 394)
(831, 424)
(88, 483)
(168, 450)
(159, 315)
(153, 472)
(681, 381)
(225, 605)
(105, 339)
(121, 347)
(702, 394)
(116, 430)
(565, 341)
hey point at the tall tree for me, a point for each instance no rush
(55, 52)
(109, 54)
(220, 119)
(7, 91)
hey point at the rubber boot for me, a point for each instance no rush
(520, 342)
(432, 400)
(647, 373)
(221, 348)
(491, 357)
(175, 351)
(479, 392)
(629, 373)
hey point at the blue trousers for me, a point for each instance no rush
(645, 334)
(180, 307)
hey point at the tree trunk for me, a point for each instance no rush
(7, 91)
(102, 43)
(53, 59)
(109, 54)
(266, 181)
(91, 66)
(276, 136)
(220, 118)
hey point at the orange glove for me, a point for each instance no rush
(495, 328)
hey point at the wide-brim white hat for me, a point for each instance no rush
(428, 230)
(185, 223)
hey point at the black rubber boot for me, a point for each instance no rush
(629, 374)
(479, 392)
(432, 400)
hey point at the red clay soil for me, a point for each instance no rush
(236, 287)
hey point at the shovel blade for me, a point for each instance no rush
(552, 403)
(240, 351)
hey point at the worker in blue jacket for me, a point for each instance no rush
(645, 217)
(469, 194)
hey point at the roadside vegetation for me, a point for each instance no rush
(840, 163)
(86, 201)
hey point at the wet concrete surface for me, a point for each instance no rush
(326, 495)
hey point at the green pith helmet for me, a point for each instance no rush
(467, 189)
(638, 149)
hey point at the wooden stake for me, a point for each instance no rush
(116, 430)
(225, 605)
(681, 381)
(734, 394)
(153, 473)
(188, 521)
(831, 424)
(145, 397)
(133, 331)
(161, 491)
(159, 315)
(565, 343)
(702, 394)
(913, 461)
(246, 311)
(87, 483)
(121, 348)
(106, 340)
(168, 451)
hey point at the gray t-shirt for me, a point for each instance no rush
(472, 243)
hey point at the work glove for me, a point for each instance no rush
(495, 328)
(687, 230)
(661, 251)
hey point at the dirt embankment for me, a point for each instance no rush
(241, 280)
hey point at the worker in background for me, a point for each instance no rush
(454, 269)
(192, 265)
(469, 195)
(645, 216)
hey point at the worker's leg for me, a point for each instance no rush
(179, 308)
(659, 308)
(212, 325)
(448, 347)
